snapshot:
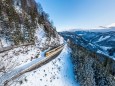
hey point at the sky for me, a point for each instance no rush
(79, 14)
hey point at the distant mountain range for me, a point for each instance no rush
(96, 41)
(100, 29)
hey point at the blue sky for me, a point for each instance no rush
(71, 14)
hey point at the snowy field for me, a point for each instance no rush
(58, 72)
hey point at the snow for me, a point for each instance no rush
(106, 54)
(4, 42)
(40, 32)
(99, 51)
(17, 57)
(61, 39)
(103, 38)
(34, 60)
(22, 67)
(58, 72)
(40, 36)
(111, 25)
(91, 44)
(17, 8)
(105, 48)
(42, 41)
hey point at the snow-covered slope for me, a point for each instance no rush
(11, 59)
(58, 72)
(92, 69)
(19, 22)
(18, 56)
(25, 23)
(43, 41)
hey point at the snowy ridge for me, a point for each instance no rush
(103, 38)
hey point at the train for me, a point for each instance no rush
(53, 50)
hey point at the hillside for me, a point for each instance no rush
(20, 20)
(24, 24)
(92, 69)
(25, 35)
(58, 72)
(33, 53)
(92, 56)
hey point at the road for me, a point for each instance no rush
(11, 75)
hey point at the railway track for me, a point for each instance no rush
(53, 51)
(50, 55)
(4, 49)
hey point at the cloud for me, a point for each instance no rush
(111, 25)
(108, 26)
(102, 27)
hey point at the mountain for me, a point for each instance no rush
(100, 42)
(25, 35)
(20, 20)
(93, 56)
(90, 68)
(108, 28)
(24, 30)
